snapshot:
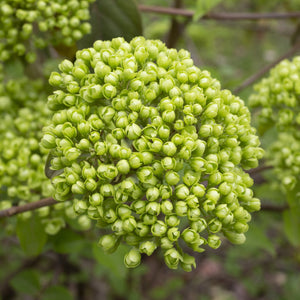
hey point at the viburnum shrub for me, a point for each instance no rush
(26, 25)
(150, 147)
(278, 96)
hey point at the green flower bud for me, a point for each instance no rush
(79, 206)
(149, 219)
(159, 228)
(172, 220)
(109, 243)
(152, 194)
(188, 262)
(107, 190)
(181, 208)
(164, 133)
(147, 247)
(90, 184)
(142, 229)
(139, 206)
(48, 141)
(173, 234)
(124, 211)
(123, 166)
(172, 178)
(235, 238)
(132, 259)
(182, 191)
(96, 199)
(172, 258)
(156, 145)
(133, 131)
(78, 188)
(129, 224)
(213, 241)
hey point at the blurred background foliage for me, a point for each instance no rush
(72, 266)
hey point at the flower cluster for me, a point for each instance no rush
(150, 146)
(278, 96)
(23, 114)
(284, 155)
(28, 24)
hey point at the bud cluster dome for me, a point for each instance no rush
(29, 24)
(284, 156)
(278, 97)
(150, 147)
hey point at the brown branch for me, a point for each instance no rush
(218, 16)
(267, 68)
(259, 169)
(274, 208)
(27, 207)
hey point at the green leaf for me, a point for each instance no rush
(56, 292)
(31, 235)
(256, 238)
(113, 261)
(292, 225)
(113, 18)
(203, 7)
(113, 265)
(67, 241)
(26, 282)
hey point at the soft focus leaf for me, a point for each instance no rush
(256, 238)
(26, 282)
(56, 292)
(113, 261)
(119, 18)
(113, 265)
(31, 235)
(292, 225)
(113, 18)
(203, 7)
(66, 241)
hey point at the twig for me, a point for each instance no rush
(259, 169)
(175, 29)
(274, 208)
(264, 70)
(218, 16)
(27, 207)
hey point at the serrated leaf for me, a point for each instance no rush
(26, 282)
(56, 292)
(292, 225)
(31, 235)
(203, 7)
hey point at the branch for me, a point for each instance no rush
(27, 207)
(274, 208)
(259, 169)
(176, 28)
(264, 70)
(218, 16)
